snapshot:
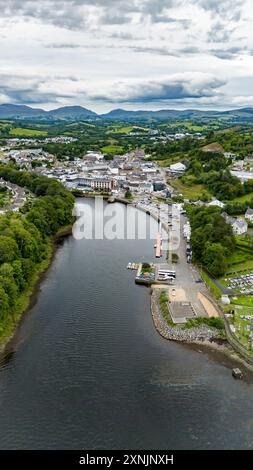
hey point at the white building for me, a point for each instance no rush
(249, 215)
(230, 155)
(239, 226)
(216, 202)
(96, 183)
(146, 187)
(242, 175)
(177, 169)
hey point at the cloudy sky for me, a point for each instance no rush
(133, 54)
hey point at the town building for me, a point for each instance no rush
(249, 215)
(177, 169)
(216, 202)
(239, 225)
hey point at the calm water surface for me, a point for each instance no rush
(90, 371)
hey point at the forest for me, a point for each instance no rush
(212, 239)
(26, 240)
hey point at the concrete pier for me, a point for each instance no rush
(158, 245)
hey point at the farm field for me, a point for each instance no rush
(214, 147)
(112, 149)
(20, 132)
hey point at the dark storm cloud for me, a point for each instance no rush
(29, 90)
(177, 87)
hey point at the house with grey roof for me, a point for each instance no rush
(249, 215)
(239, 226)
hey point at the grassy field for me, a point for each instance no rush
(242, 258)
(193, 192)
(215, 291)
(112, 149)
(245, 300)
(240, 263)
(5, 123)
(195, 127)
(126, 130)
(19, 132)
(164, 308)
(190, 126)
(85, 124)
(214, 147)
(238, 257)
(245, 198)
(243, 326)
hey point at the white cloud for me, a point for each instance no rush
(165, 52)
(174, 87)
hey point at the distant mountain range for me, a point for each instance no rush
(77, 113)
(173, 114)
(69, 113)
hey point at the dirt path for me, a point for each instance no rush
(208, 306)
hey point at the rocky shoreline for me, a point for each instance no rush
(199, 335)
(204, 336)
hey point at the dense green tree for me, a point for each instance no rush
(4, 306)
(8, 249)
(25, 237)
(212, 239)
(214, 259)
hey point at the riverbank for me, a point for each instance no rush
(203, 336)
(29, 297)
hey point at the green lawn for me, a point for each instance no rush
(215, 291)
(193, 191)
(164, 308)
(195, 127)
(242, 326)
(238, 257)
(245, 198)
(112, 149)
(19, 132)
(242, 258)
(246, 301)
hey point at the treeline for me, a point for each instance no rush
(238, 208)
(168, 150)
(237, 140)
(25, 237)
(211, 170)
(212, 239)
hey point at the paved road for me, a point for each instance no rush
(187, 286)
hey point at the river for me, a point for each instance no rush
(89, 370)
